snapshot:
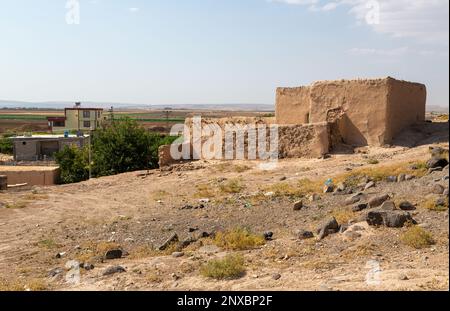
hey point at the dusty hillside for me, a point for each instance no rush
(43, 229)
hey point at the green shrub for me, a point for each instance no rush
(73, 163)
(6, 145)
(230, 267)
(417, 237)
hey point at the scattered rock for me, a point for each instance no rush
(329, 227)
(436, 162)
(391, 179)
(113, 270)
(55, 272)
(435, 169)
(401, 178)
(268, 235)
(177, 254)
(88, 266)
(378, 200)
(403, 277)
(328, 189)
(437, 189)
(276, 276)
(406, 206)
(352, 235)
(269, 194)
(173, 238)
(360, 207)
(113, 254)
(388, 206)
(445, 192)
(341, 187)
(445, 178)
(409, 177)
(60, 255)
(314, 197)
(354, 198)
(441, 202)
(298, 205)
(369, 185)
(392, 219)
(283, 178)
(304, 234)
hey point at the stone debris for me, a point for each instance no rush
(113, 270)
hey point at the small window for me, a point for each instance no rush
(86, 114)
(87, 124)
(24, 143)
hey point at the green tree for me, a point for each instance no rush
(73, 163)
(6, 145)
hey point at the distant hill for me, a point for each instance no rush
(61, 105)
(226, 107)
(439, 109)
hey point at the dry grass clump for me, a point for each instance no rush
(34, 285)
(373, 161)
(417, 237)
(230, 267)
(238, 239)
(302, 188)
(205, 191)
(16, 205)
(233, 168)
(381, 172)
(48, 243)
(432, 205)
(232, 186)
(343, 216)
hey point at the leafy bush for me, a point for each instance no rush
(6, 145)
(230, 267)
(73, 163)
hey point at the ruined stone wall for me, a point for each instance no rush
(364, 103)
(294, 140)
(292, 105)
(374, 110)
(407, 105)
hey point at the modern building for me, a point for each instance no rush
(77, 118)
(43, 147)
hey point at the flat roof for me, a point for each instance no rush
(47, 136)
(25, 168)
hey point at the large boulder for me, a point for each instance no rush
(437, 161)
(329, 227)
(378, 200)
(391, 219)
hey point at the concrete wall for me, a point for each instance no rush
(292, 105)
(33, 176)
(29, 149)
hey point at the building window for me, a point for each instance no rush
(87, 124)
(86, 114)
(59, 123)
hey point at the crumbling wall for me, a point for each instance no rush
(304, 141)
(292, 105)
(364, 103)
(407, 105)
(294, 140)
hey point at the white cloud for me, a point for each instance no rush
(425, 20)
(380, 52)
(133, 10)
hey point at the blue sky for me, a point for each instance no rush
(215, 51)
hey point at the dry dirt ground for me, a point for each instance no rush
(137, 212)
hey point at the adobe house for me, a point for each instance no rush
(370, 111)
(313, 120)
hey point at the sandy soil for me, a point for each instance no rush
(137, 211)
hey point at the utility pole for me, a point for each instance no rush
(90, 153)
(167, 114)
